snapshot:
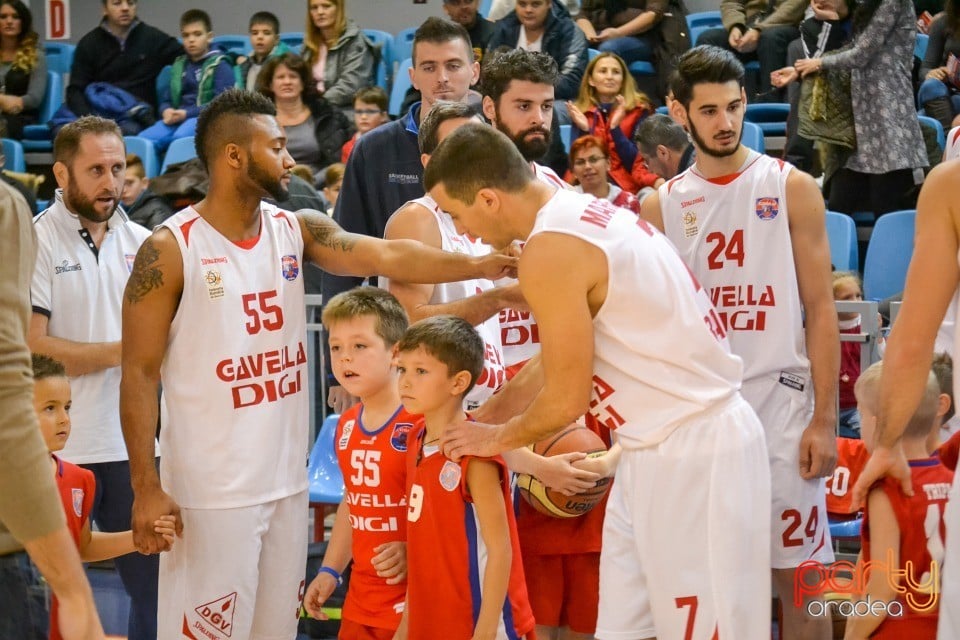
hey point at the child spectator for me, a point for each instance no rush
(265, 40)
(332, 181)
(846, 287)
(904, 531)
(51, 402)
(196, 78)
(459, 511)
(364, 324)
(142, 205)
(369, 112)
(947, 419)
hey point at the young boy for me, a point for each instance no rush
(142, 205)
(369, 112)
(468, 579)
(364, 324)
(196, 78)
(904, 533)
(51, 402)
(265, 39)
(332, 181)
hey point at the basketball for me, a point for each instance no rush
(553, 503)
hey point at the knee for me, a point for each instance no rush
(932, 88)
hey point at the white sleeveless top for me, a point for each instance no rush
(234, 413)
(952, 151)
(660, 352)
(734, 234)
(493, 374)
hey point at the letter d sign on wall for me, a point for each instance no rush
(58, 19)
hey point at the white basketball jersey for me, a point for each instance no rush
(493, 374)
(234, 413)
(734, 234)
(952, 151)
(660, 351)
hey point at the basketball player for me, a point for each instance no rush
(752, 230)
(214, 307)
(931, 285)
(629, 337)
(952, 151)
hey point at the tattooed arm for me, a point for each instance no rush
(342, 253)
(149, 304)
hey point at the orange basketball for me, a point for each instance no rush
(553, 503)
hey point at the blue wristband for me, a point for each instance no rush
(333, 572)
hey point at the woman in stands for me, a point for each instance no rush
(340, 57)
(315, 129)
(590, 164)
(939, 94)
(23, 69)
(610, 108)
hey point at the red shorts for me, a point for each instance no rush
(564, 590)
(350, 630)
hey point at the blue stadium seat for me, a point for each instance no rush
(401, 82)
(485, 6)
(665, 110)
(59, 56)
(36, 137)
(697, 23)
(293, 39)
(323, 474)
(15, 160)
(846, 529)
(842, 234)
(145, 151)
(163, 83)
(941, 134)
(641, 68)
(592, 53)
(385, 41)
(888, 255)
(180, 150)
(920, 45)
(239, 43)
(402, 47)
(565, 131)
(771, 116)
(753, 137)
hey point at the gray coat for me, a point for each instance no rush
(880, 59)
(349, 66)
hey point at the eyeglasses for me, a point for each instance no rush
(459, 3)
(367, 112)
(580, 162)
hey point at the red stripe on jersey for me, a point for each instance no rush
(956, 136)
(185, 230)
(286, 218)
(727, 179)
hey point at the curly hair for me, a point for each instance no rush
(28, 42)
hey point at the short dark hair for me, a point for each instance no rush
(657, 129)
(502, 68)
(296, 64)
(943, 369)
(439, 113)
(217, 123)
(372, 95)
(701, 65)
(45, 366)
(473, 157)
(265, 17)
(391, 319)
(191, 16)
(449, 339)
(437, 31)
(68, 139)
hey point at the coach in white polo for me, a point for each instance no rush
(86, 247)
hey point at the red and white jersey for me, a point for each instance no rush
(234, 410)
(493, 374)
(660, 352)
(952, 152)
(446, 548)
(77, 487)
(373, 460)
(922, 534)
(734, 234)
(852, 456)
(949, 452)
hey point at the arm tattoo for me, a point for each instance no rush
(328, 233)
(146, 274)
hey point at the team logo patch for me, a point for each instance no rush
(290, 267)
(77, 495)
(219, 614)
(398, 439)
(214, 282)
(768, 208)
(690, 227)
(345, 434)
(130, 258)
(450, 475)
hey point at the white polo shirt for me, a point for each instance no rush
(80, 290)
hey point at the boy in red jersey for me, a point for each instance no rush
(51, 402)
(467, 580)
(903, 533)
(364, 324)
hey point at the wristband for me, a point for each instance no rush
(333, 572)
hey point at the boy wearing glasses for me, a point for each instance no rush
(369, 112)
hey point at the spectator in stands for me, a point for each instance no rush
(315, 129)
(610, 108)
(542, 25)
(664, 146)
(846, 287)
(265, 40)
(369, 112)
(883, 172)
(939, 94)
(23, 69)
(628, 30)
(759, 30)
(590, 165)
(332, 181)
(17, 185)
(142, 205)
(465, 13)
(197, 77)
(122, 51)
(501, 8)
(340, 57)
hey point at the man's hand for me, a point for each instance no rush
(148, 507)
(78, 619)
(609, 33)
(468, 438)
(734, 38)
(883, 462)
(494, 266)
(320, 589)
(749, 41)
(818, 451)
(340, 399)
(391, 561)
(940, 73)
(565, 473)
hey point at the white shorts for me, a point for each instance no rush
(948, 627)
(686, 534)
(798, 515)
(236, 574)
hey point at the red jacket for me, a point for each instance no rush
(630, 174)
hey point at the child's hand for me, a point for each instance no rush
(166, 526)
(565, 473)
(317, 593)
(391, 561)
